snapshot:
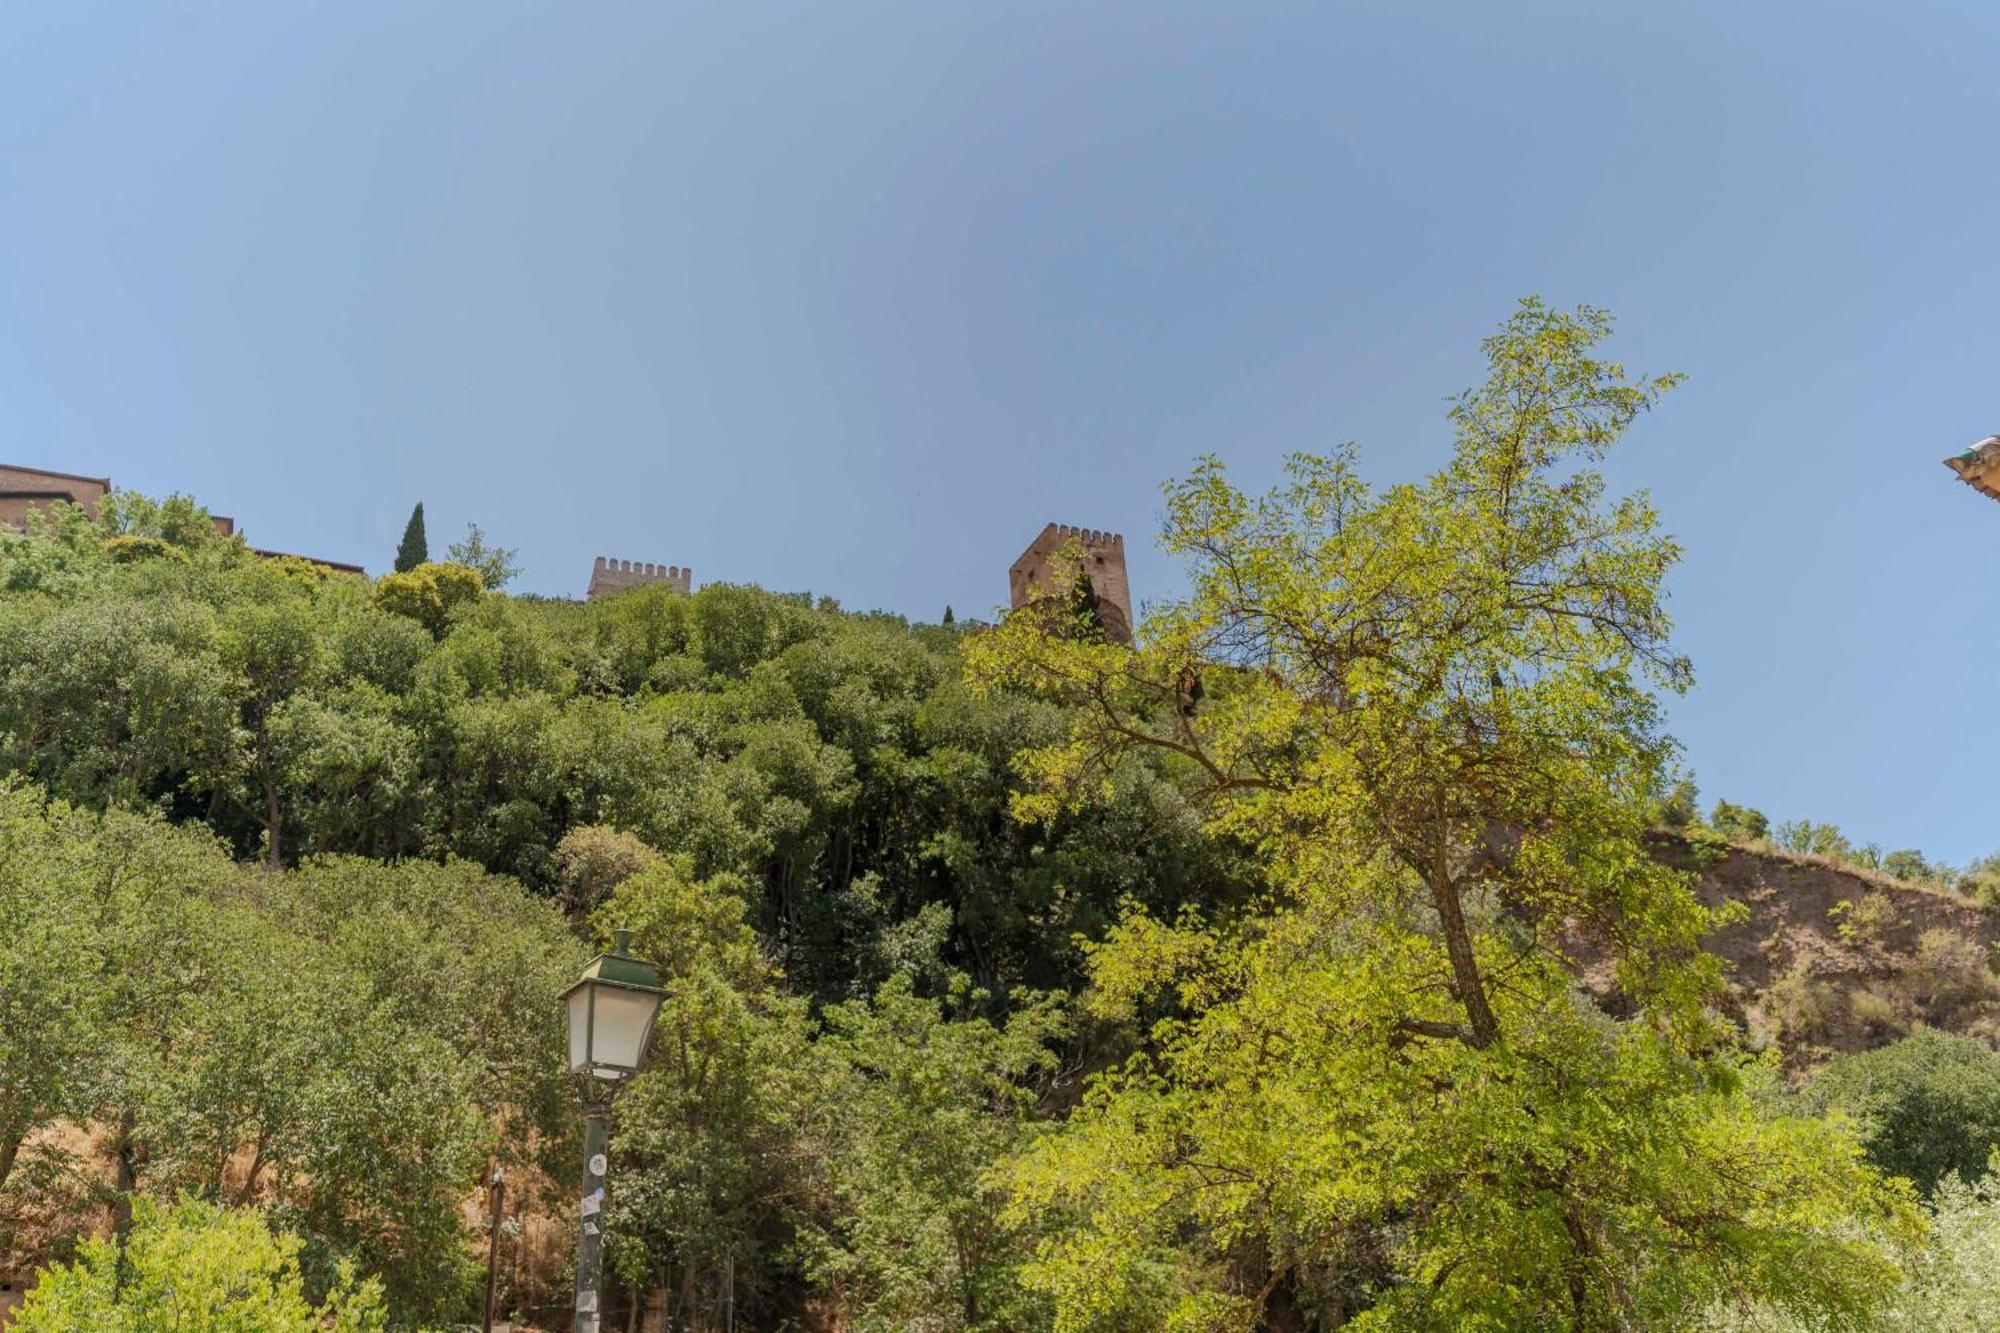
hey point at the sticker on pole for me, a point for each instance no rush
(586, 1302)
(597, 1164)
(593, 1202)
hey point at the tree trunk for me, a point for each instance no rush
(274, 856)
(124, 1155)
(1471, 987)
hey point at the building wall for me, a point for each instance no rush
(1037, 574)
(25, 489)
(615, 576)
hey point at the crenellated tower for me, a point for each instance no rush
(1039, 573)
(615, 576)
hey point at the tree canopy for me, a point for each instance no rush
(1016, 978)
(415, 548)
(1381, 1096)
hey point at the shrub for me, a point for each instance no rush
(1870, 919)
(129, 549)
(1706, 845)
(1881, 1010)
(1981, 882)
(1679, 807)
(1739, 822)
(1947, 969)
(593, 859)
(196, 1267)
(1907, 863)
(1930, 1104)
(1810, 839)
(428, 593)
(1801, 1008)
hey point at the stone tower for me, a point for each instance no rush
(612, 576)
(1035, 575)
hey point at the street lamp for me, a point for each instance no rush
(611, 1012)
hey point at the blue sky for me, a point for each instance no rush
(855, 297)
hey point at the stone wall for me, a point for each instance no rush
(614, 576)
(1039, 573)
(25, 489)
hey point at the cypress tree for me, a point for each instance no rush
(1083, 605)
(949, 618)
(413, 550)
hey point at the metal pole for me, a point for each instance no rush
(590, 1235)
(498, 1182)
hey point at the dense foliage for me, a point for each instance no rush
(1015, 979)
(196, 1268)
(346, 1043)
(1381, 1098)
(1929, 1104)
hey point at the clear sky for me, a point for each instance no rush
(854, 297)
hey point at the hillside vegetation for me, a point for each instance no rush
(1319, 963)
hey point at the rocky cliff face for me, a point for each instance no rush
(1828, 957)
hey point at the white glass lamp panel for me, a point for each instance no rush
(579, 1027)
(624, 1017)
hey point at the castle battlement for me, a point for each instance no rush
(1089, 537)
(614, 576)
(1034, 575)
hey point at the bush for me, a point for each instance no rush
(195, 1268)
(1947, 970)
(428, 593)
(1679, 807)
(130, 549)
(1907, 864)
(1739, 822)
(1881, 1011)
(1706, 845)
(1870, 919)
(1800, 1007)
(1948, 1285)
(594, 859)
(1981, 882)
(1810, 839)
(1929, 1104)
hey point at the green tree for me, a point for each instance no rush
(428, 593)
(177, 523)
(949, 618)
(930, 1095)
(1948, 1285)
(718, 1154)
(1739, 822)
(1681, 805)
(1908, 863)
(497, 565)
(341, 1044)
(1811, 839)
(195, 1268)
(1929, 1104)
(51, 1008)
(413, 550)
(1430, 708)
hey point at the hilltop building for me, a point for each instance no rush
(23, 490)
(615, 576)
(1979, 467)
(1039, 574)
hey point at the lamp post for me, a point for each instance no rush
(496, 1193)
(611, 1012)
